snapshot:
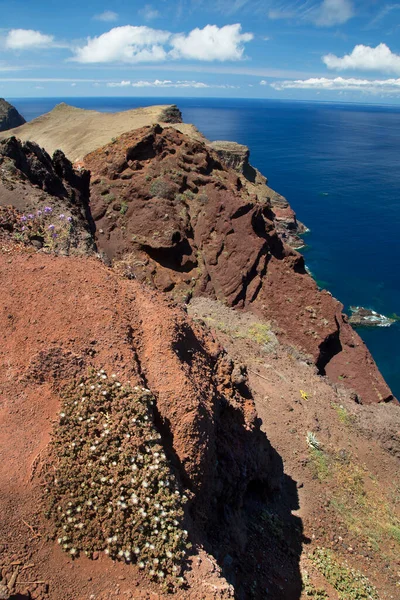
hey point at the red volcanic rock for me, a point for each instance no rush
(170, 212)
(33, 184)
(61, 315)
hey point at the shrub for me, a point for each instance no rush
(54, 231)
(110, 487)
(349, 583)
(162, 188)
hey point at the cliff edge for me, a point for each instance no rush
(9, 116)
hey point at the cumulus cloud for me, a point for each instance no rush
(332, 12)
(365, 58)
(167, 83)
(149, 13)
(107, 16)
(143, 44)
(125, 44)
(377, 86)
(211, 43)
(27, 39)
(263, 82)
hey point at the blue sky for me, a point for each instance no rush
(346, 50)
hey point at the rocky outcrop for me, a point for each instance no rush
(236, 156)
(169, 212)
(9, 116)
(48, 198)
(365, 317)
(171, 114)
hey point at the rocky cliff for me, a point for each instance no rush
(170, 211)
(163, 401)
(9, 116)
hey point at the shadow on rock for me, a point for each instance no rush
(252, 533)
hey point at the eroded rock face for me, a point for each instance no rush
(236, 156)
(169, 212)
(9, 116)
(36, 190)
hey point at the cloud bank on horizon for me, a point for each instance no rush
(263, 48)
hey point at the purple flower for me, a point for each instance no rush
(23, 218)
(48, 209)
(54, 235)
(39, 212)
(69, 219)
(23, 228)
(51, 226)
(61, 216)
(31, 216)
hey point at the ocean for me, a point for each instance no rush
(339, 167)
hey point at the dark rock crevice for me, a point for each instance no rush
(330, 347)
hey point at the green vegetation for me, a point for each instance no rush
(162, 189)
(109, 197)
(344, 416)
(110, 487)
(311, 591)
(53, 232)
(124, 208)
(259, 332)
(349, 583)
(256, 332)
(320, 464)
(354, 494)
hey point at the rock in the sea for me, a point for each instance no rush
(364, 317)
(9, 116)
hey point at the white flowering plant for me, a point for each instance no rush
(110, 486)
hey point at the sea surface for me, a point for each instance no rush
(339, 167)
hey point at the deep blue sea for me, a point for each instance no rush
(339, 167)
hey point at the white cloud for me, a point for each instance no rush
(211, 43)
(143, 44)
(149, 13)
(107, 16)
(118, 84)
(263, 82)
(125, 44)
(332, 12)
(377, 86)
(27, 39)
(168, 83)
(365, 58)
